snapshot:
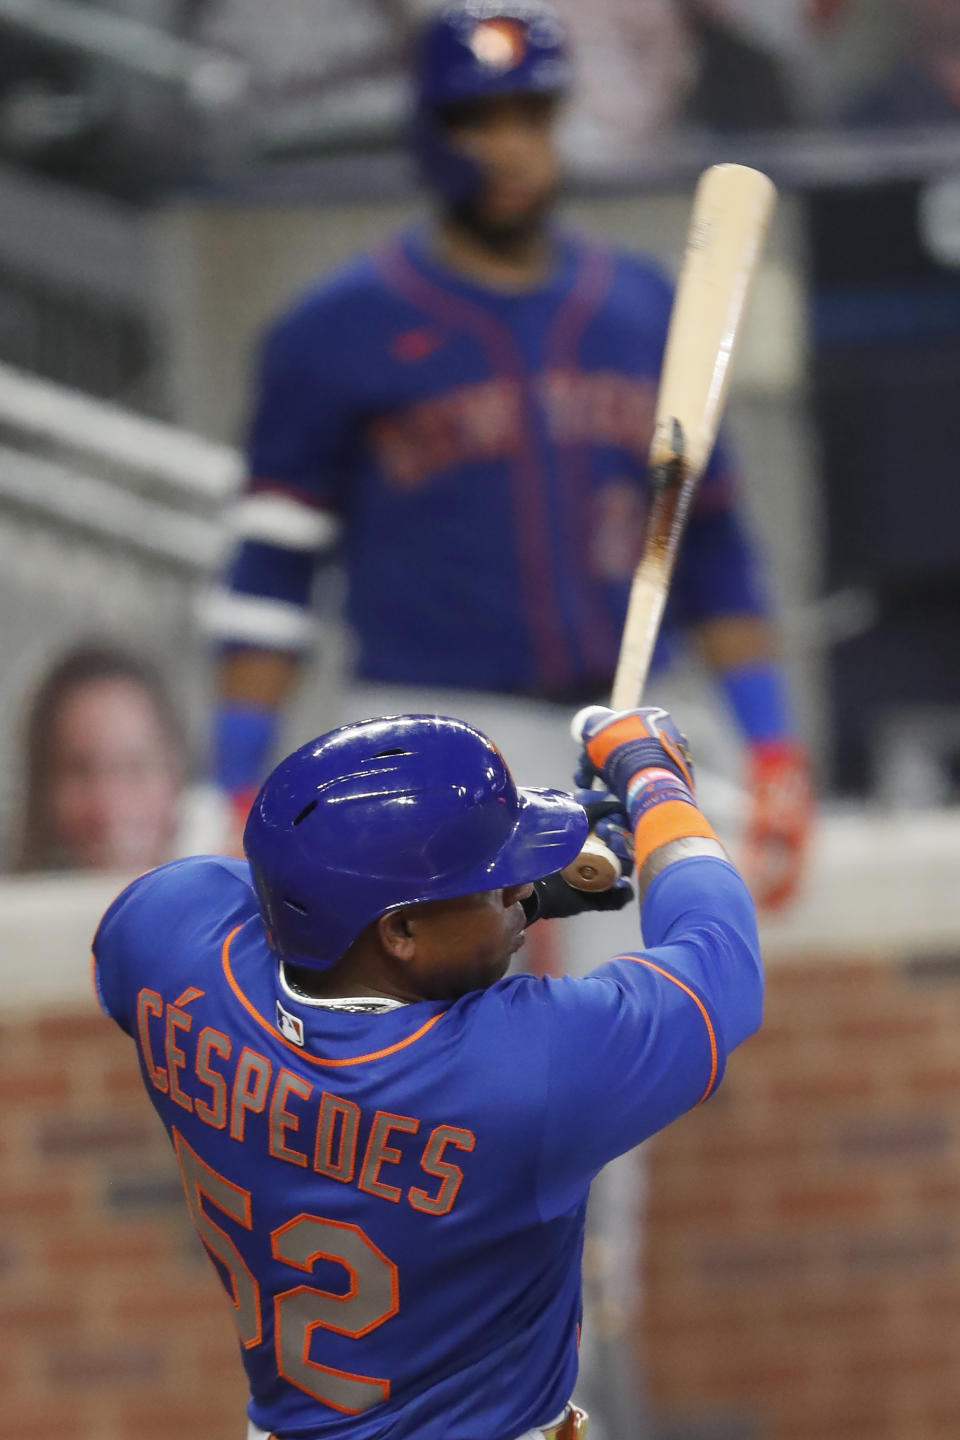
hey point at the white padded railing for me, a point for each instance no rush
(183, 465)
(110, 527)
(64, 498)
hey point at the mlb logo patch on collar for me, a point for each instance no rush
(290, 1026)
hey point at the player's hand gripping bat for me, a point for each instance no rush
(731, 212)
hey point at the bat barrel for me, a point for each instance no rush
(731, 212)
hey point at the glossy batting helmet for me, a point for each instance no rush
(473, 49)
(393, 812)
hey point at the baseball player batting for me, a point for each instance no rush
(463, 417)
(387, 1144)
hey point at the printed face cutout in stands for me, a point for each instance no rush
(113, 781)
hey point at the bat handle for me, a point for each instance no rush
(580, 720)
(595, 868)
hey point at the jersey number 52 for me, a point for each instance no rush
(372, 1296)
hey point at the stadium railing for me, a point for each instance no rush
(110, 527)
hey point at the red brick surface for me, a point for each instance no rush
(802, 1249)
(803, 1242)
(113, 1324)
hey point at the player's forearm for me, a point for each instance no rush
(743, 652)
(684, 1001)
(696, 910)
(253, 687)
(260, 619)
(699, 919)
(730, 642)
(258, 677)
(694, 903)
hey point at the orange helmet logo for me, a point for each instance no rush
(500, 44)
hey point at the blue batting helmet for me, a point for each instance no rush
(392, 812)
(477, 48)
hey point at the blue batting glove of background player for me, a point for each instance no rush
(618, 745)
(554, 899)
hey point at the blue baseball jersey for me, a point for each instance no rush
(394, 1202)
(481, 458)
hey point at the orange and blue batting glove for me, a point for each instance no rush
(643, 759)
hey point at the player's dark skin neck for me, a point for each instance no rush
(512, 264)
(436, 951)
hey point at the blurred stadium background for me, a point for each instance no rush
(170, 172)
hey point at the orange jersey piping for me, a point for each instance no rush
(313, 1059)
(714, 1059)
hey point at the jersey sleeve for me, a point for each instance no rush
(288, 520)
(646, 1036)
(300, 431)
(116, 942)
(135, 937)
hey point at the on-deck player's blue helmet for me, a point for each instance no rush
(392, 812)
(472, 49)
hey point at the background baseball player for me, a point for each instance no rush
(463, 417)
(386, 1146)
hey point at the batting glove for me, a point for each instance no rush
(618, 745)
(780, 822)
(643, 759)
(554, 899)
(608, 821)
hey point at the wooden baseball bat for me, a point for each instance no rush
(731, 212)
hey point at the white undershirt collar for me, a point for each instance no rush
(359, 1004)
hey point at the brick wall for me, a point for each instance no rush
(803, 1249)
(113, 1326)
